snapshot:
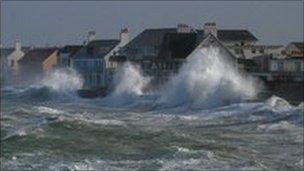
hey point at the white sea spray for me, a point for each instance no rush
(64, 79)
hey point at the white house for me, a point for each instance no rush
(295, 49)
(14, 57)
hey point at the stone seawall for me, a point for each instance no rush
(290, 91)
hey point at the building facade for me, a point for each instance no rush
(92, 60)
(295, 49)
(65, 55)
(291, 69)
(36, 63)
(161, 52)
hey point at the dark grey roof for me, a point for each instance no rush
(6, 51)
(97, 48)
(154, 38)
(299, 45)
(150, 37)
(233, 35)
(37, 55)
(176, 45)
(72, 49)
(25, 49)
(118, 58)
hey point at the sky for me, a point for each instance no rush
(35, 23)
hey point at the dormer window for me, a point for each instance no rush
(261, 50)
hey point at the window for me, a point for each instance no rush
(253, 51)
(261, 51)
(298, 66)
(12, 63)
(98, 79)
(237, 51)
(280, 66)
(242, 43)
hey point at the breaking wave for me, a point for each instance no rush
(56, 84)
(129, 84)
(64, 79)
(207, 80)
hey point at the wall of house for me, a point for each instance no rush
(287, 65)
(91, 69)
(30, 73)
(251, 51)
(292, 50)
(238, 43)
(12, 60)
(64, 60)
(107, 65)
(50, 62)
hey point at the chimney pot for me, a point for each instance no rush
(91, 36)
(17, 45)
(183, 28)
(124, 36)
(210, 28)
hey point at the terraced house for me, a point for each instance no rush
(37, 62)
(160, 52)
(92, 60)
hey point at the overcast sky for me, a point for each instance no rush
(59, 23)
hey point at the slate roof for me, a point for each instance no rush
(176, 45)
(150, 37)
(233, 35)
(37, 55)
(6, 51)
(118, 58)
(97, 48)
(72, 49)
(155, 37)
(299, 45)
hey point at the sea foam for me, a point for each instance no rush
(207, 80)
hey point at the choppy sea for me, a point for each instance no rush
(43, 129)
(201, 120)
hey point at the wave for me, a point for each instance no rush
(58, 84)
(205, 81)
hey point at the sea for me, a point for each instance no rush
(204, 118)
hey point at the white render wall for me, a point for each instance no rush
(289, 65)
(14, 58)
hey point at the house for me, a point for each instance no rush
(92, 60)
(4, 52)
(251, 51)
(291, 68)
(66, 53)
(15, 56)
(161, 52)
(37, 62)
(295, 49)
(149, 42)
(9, 60)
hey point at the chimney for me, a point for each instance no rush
(91, 36)
(18, 46)
(124, 36)
(183, 28)
(210, 28)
